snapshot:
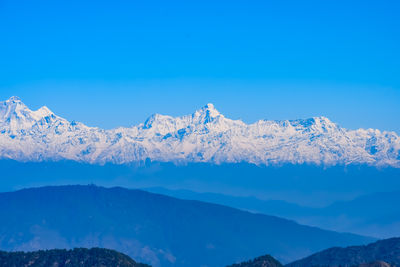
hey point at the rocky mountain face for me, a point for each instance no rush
(204, 136)
(381, 253)
(78, 257)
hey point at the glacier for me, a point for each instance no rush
(204, 136)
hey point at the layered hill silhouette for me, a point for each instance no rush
(78, 257)
(152, 228)
(374, 214)
(301, 184)
(381, 253)
(263, 261)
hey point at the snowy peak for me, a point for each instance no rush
(204, 120)
(320, 124)
(210, 109)
(161, 124)
(43, 112)
(14, 99)
(13, 102)
(206, 114)
(13, 109)
(16, 116)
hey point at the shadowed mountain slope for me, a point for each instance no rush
(376, 214)
(152, 228)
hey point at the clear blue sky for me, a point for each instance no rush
(113, 63)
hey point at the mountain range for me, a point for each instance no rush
(204, 136)
(152, 228)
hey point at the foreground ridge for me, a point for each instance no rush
(381, 253)
(263, 261)
(95, 257)
(204, 136)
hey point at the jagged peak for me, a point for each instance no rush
(209, 108)
(14, 109)
(322, 119)
(12, 106)
(155, 118)
(43, 112)
(320, 123)
(311, 121)
(207, 114)
(45, 109)
(14, 99)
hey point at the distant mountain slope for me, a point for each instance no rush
(78, 257)
(387, 250)
(204, 136)
(263, 261)
(271, 207)
(152, 228)
(376, 214)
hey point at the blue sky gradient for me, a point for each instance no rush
(114, 63)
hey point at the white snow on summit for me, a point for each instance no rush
(204, 136)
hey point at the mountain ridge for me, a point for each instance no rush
(153, 228)
(387, 250)
(94, 257)
(382, 253)
(204, 136)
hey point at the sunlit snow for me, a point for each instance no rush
(204, 136)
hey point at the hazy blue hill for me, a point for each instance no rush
(301, 184)
(153, 228)
(295, 190)
(78, 257)
(378, 207)
(387, 251)
(279, 208)
(376, 214)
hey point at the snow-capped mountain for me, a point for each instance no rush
(204, 136)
